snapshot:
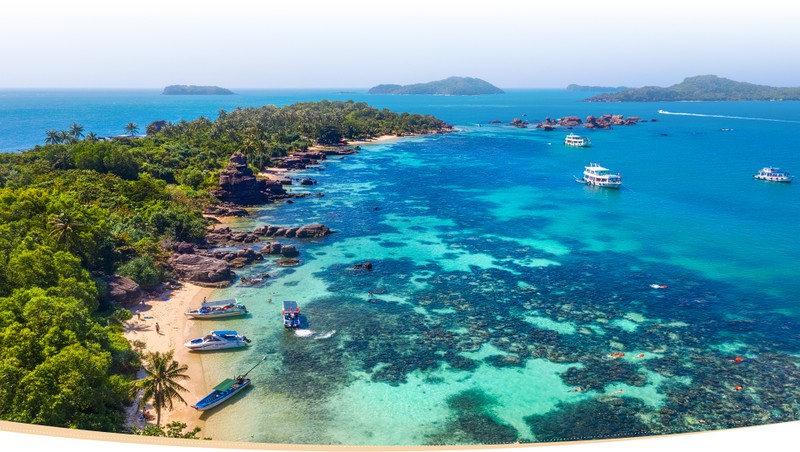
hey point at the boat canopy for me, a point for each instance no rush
(226, 385)
(220, 303)
(290, 307)
(224, 333)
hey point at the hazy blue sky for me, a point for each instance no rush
(337, 43)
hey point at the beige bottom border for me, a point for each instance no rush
(773, 437)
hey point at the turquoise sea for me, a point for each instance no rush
(507, 301)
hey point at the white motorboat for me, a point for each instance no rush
(218, 340)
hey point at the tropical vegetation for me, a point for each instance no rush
(80, 207)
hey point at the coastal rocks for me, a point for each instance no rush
(201, 270)
(607, 120)
(225, 237)
(289, 251)
(307, 181)
(226, 210)
(346, 151)
(301, 160)
(592, 122)
(155, 127)
(122, 290)
(238, 185)
(307, 231)
(516, 122)
(184, 248)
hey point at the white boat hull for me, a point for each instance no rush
(214, 315)
(209, 346)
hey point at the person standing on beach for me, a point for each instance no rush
(158, 329)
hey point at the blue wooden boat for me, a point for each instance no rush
(222, 392)
(225, 390)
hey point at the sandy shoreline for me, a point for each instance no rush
(167, 310)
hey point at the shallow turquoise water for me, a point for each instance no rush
(510, 303)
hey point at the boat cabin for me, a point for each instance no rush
(291, 314)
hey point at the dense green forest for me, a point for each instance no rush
(700, 88)
(80, 207)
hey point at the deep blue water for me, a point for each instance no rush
(503, 293)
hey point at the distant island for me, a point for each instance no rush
(194, 89)
(701, 88)
(605, 89)
(452, 86)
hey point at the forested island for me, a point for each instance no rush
(78, 214)
(605, 89)
(452, 86)
(194, 89)
(701, 88)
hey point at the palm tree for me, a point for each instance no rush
(52, 137)
(132, 128)
(76, 131)
(91, 137)
(65, 136)
(65, 228)
(161, 383)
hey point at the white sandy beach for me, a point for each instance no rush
(167, 310)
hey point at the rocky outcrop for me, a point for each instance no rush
(238, 185)
(122, 290)
(201, 270)
(592, 122)
(225, 237)
(607, 120)
(307, 231)
(226, 210)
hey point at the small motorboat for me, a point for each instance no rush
(218, 340)
(217, 309)
(291, 314)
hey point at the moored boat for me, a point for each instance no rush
(291, 314)
(218, 340)
(217, 309)
(773, 174)
(222, 392)
(596, 175)
(225, 390)
(577, 141)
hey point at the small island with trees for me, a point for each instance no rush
(452, 86)
(195, 89)
(701, 88)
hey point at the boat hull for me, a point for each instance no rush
(208, 347)
(774, 179)
(214, 315)
(216, 398)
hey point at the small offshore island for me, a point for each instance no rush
(700, 88)
(195, 89)
(452, 86)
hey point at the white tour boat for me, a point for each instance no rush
(576, 141)
(595, 174)
(773, 174)
(218, 340)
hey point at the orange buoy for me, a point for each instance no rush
(738, 359)
(738, 388)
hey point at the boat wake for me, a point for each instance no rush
(325, 335)
(746, 118)
(309, 333)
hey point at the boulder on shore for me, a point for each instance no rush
(122, 290)
(201, 270)
(238, 185)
